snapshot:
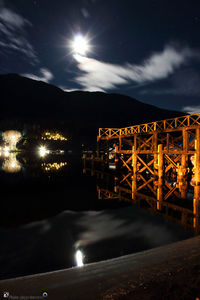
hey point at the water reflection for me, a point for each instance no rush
(10, 163)
(172, 205)
(95, 230)
(51, 244)
(49, 167)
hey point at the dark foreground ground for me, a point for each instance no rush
(169, 272)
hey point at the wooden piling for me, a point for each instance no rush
(134, 177)
(160, 177)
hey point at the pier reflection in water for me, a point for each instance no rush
(174, 205)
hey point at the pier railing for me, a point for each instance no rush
(188, 121)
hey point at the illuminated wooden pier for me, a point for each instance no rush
(156, 154)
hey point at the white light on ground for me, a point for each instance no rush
(79, 258)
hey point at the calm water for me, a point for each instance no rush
(50, 209)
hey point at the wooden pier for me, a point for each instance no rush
(155, 154)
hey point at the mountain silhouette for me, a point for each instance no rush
(80, 113)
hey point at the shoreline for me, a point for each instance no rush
(159, 273)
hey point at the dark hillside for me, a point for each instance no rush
(81, 113)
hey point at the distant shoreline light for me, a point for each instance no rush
(43, 151)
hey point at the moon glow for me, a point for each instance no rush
(80, 45)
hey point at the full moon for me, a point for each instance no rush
(80, 45)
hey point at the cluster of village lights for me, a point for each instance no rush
(53, 136)
(12, 137)
(53, 166)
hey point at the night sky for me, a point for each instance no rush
(147, 49)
